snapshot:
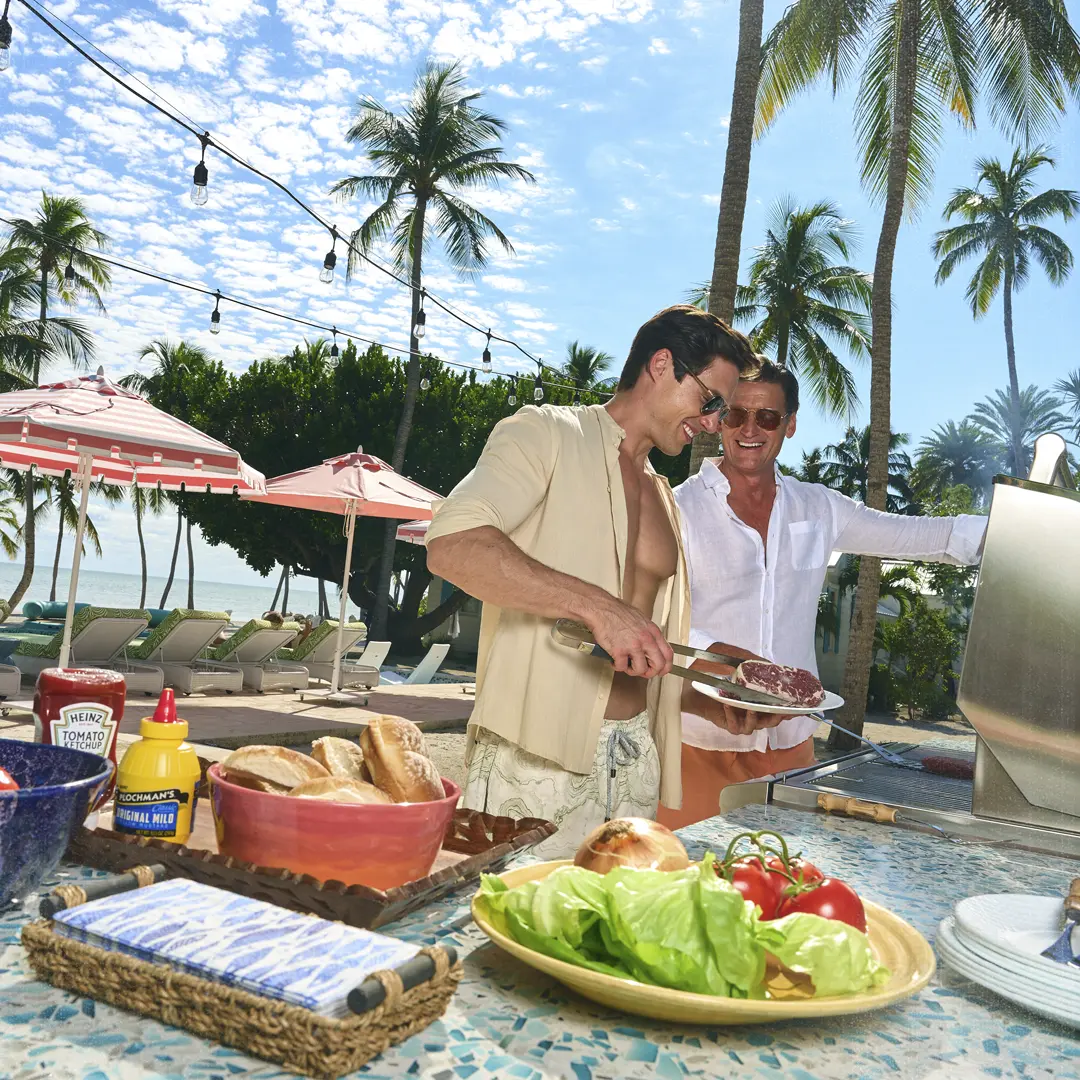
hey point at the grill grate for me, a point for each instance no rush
(876, 781)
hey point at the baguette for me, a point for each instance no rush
(340, 757)
(270, 768)
(340, 789)
(395, 755)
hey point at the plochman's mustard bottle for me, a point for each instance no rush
(155, 784)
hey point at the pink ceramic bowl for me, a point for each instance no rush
(359, 844)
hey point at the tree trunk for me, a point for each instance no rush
(783, 339)
(401, 441)
(1019, 457)
(29, 545)
(277, 591)
(285, 597)
(60, 493)
(190, 569)
(729, 224)
(136, 495)
(175, 553)
(324, 607)
(860, 651)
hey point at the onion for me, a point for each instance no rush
(634, 842)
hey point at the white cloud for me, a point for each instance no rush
(605, 225)
(659, 47)
(628, 204)
(505, 283)
(36, 125)
(711, 200)
(594, 63)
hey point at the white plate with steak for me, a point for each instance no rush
(799, 690)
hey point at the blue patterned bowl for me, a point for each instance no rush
(56, 789)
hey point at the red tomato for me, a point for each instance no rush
(798, 867)
(831, 899)
(758, 884)
(6, 782)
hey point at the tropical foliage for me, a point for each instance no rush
(585, 365)
(427, 158)
(956, 454)
(1007, 425)
(1003, 227)
(847, 469)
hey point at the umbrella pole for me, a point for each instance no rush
(86, 462)
(350, 528)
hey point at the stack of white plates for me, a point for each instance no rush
(996, 941)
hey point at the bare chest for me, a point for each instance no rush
(652, 551)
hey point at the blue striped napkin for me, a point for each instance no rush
(298, 959)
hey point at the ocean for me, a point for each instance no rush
(122, 590)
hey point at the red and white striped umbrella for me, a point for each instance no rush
(412, 532)
(96, 430)
(130, 441)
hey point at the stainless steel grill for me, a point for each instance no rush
(875, 781)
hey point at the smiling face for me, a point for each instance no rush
(676, 408)
(750, 449)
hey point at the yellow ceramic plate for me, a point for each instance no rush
(900, 947)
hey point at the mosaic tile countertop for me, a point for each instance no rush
(509, 1021)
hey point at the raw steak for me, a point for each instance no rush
(793, 684)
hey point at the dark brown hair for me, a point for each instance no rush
(769, 372)
(694, 337)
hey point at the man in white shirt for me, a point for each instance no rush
(757, 546)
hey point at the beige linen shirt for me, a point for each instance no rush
(549, 478)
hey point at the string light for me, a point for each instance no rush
(425, 383)
(420, 326)
(577, 397)
(215, 315)
(485, 360)
(201, 176)
(5, 38)
(511, 399)
(69, 270)
(326, 274)
(538, 388)
(334, 348)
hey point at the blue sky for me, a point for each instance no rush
(619, 107)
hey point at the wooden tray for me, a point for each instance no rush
(475, 843)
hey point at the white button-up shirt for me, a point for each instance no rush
(765, 597)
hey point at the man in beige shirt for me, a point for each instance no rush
(564, 517)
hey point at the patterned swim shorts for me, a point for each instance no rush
(506, 780)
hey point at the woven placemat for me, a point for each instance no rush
(295, 1038)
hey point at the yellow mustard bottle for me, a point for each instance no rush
(155, 784)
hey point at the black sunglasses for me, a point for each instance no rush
(713, 402)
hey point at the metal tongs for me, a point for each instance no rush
(575, 635)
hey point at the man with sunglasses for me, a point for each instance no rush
(564, 517)
(757, 545)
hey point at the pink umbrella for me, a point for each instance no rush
(349, 485)
(96, 430)
(412, 532)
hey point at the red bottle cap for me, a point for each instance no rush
(165, 713)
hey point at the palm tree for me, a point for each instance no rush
(142, 500)
(846, 468)
(57, 244)
(1009, 426)
(440, 147)
(22, 346)
(917, 61)
(1069, 389)
(798, 300)
(1002, 223)
(65, 499)
(719, 297)
(812, 469)
(9, 523)
(955, 454)
(173, 361)
(585, 365)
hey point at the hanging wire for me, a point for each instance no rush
(221, 148)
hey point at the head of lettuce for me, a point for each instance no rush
(684, 929)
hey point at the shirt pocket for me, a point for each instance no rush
(807, 545)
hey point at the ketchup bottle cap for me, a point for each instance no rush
(165, 713)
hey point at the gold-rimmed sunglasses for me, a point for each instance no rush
(714, 404)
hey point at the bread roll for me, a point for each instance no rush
(270, 768)
(340, 757)
(394, 753)
(340, 789)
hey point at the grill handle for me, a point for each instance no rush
(856, 808)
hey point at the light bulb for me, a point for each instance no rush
(215, 321)
(420, 326)
(326, 274)
(69, 272)
(199, 180)
(5, 41)
(425, 384)
(511, 398)
(538, 389)
(5, 57)
(485, 360)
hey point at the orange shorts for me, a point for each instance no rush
(705, 773)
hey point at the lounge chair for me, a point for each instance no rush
(316, 653)
(252, 648)
(175, 647)
(10, 681)
(98, 639)
(423, 671)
